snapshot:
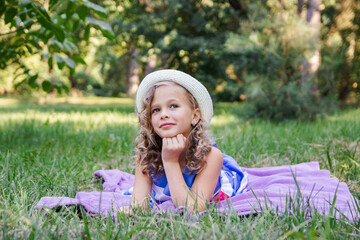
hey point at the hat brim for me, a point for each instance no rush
(197, 89)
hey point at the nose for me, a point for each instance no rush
(164, 114)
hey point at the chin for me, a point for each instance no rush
(168, 135)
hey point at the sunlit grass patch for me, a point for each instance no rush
(9, 102)
(83, 121)
(49, 100)
(222, 120)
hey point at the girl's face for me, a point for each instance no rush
(171, 111)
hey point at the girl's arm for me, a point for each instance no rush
(205, 182)
(142, 189)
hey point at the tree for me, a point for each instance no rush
(313, 57)
(46, 27)
(186, 35)
(339, 74)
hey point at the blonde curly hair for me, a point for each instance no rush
(148, 144)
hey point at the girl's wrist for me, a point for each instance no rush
(171, 163)
(171, 166)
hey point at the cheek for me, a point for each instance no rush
(153, 121)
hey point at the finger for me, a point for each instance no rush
(180, 139)
(165, 142)
(183, 138)
(173, 141)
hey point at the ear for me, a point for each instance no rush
(196, 115)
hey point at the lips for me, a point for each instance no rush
(165, 125)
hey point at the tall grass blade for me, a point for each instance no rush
(86, 224)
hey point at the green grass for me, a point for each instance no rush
(51, 147)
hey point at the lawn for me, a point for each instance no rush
(51, 147)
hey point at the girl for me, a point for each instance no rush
(175, 159)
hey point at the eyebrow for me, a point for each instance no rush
(170, 100)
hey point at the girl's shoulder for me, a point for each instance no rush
(214, 155)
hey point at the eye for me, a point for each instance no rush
(174, 106)
(155, 110)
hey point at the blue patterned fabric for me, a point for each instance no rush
(232, 181)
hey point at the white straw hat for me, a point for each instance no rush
(198, 90)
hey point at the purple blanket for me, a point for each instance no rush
(280, 189)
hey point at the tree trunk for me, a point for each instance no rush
(132, 78)
(345, 26)
(151, 64)
(72, 81)
(300, 6)
(312, 63)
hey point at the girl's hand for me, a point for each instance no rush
(172, 148)
(126, 210)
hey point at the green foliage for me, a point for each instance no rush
(47, 28)
(53, 149)
(268, 55)
(240, 50)
(339, 73)
(184, 35)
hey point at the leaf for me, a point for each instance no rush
(2, 7)
(19, 83)
(28, 22)
(59, 33)
(87, 32)
(82, 11)
(101, 24)
(79, 60)
(50, 62)
(72, 71)
(35, 44)
(26, 70)
(45, 23)
(61, 65)
(45, 20)
(23, 14)
(96, 8)
(30, 50)
(69, 25)
(69, 10)
(70, 46)
(32, 81)
(58, 89)
(60, 61)
(75, 25)
(42, 11)
(46, 86)
(108, 34)
(57, 43)
(59, 86)
(10, 14)
(58, 58)
(70, 63)
(18, 23)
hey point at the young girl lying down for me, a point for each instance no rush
(175, 158)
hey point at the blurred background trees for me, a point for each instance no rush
(47, 32)
(285, 58)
